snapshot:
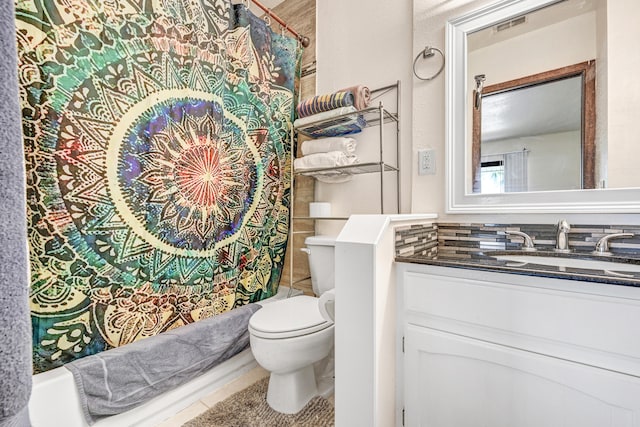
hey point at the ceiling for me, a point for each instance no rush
(533, 21)
(527, 111)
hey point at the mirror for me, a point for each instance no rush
(489, 42)
(535, 133)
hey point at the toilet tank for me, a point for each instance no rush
(321, 262)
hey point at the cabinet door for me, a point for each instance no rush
(454, 381)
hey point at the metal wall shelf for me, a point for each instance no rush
(355, 169)
(322, 218)
(373, 116)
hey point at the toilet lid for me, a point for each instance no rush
(288, 318)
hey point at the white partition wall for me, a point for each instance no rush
(365, 332)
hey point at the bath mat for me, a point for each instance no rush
(249, 408)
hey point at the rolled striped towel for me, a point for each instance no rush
(324, 145)
(335, 122)
(325, 115)
(361, 96)
(321, 103)
(339, 126)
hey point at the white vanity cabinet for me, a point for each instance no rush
(495, 349)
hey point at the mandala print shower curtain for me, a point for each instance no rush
(158, 168)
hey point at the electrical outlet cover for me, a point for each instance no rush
(426, 162)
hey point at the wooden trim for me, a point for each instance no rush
(475, 147)
(589, 126)
(585, 69)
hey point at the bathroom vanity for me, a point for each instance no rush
(493, 348)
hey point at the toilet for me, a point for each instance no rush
(289, 336)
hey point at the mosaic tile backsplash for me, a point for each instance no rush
(417, 239)
(461, 240)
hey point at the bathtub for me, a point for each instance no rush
(55, 400)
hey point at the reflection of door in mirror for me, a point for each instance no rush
(535, 133)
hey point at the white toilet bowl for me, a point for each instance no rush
(287, 337)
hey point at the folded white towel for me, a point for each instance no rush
(324, 160)
(325, 115)
(324, 145)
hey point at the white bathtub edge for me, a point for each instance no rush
(54, 397)
(170, 403)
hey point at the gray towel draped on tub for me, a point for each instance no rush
(120, 379)
(15, 323)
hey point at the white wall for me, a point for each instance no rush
(368, 42)
(552, 160)
(366, 321)
(623, 93)
(569, 42)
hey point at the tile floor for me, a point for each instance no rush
(208, 401)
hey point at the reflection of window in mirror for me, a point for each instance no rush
(539, 128)
(492, 176)
(504, 171)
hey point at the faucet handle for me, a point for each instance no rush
(602, 247)
(562, 240)
(528, 242)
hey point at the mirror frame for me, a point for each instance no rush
(459, 198)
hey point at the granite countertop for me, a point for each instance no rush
(484, 260)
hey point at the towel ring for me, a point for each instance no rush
(428, 52)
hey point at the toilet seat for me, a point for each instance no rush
(289, 318)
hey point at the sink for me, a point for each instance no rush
(589, 264)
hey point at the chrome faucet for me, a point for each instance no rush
(562, 238)
(602, 247)
(527, 244)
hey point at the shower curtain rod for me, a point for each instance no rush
(304, 41)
